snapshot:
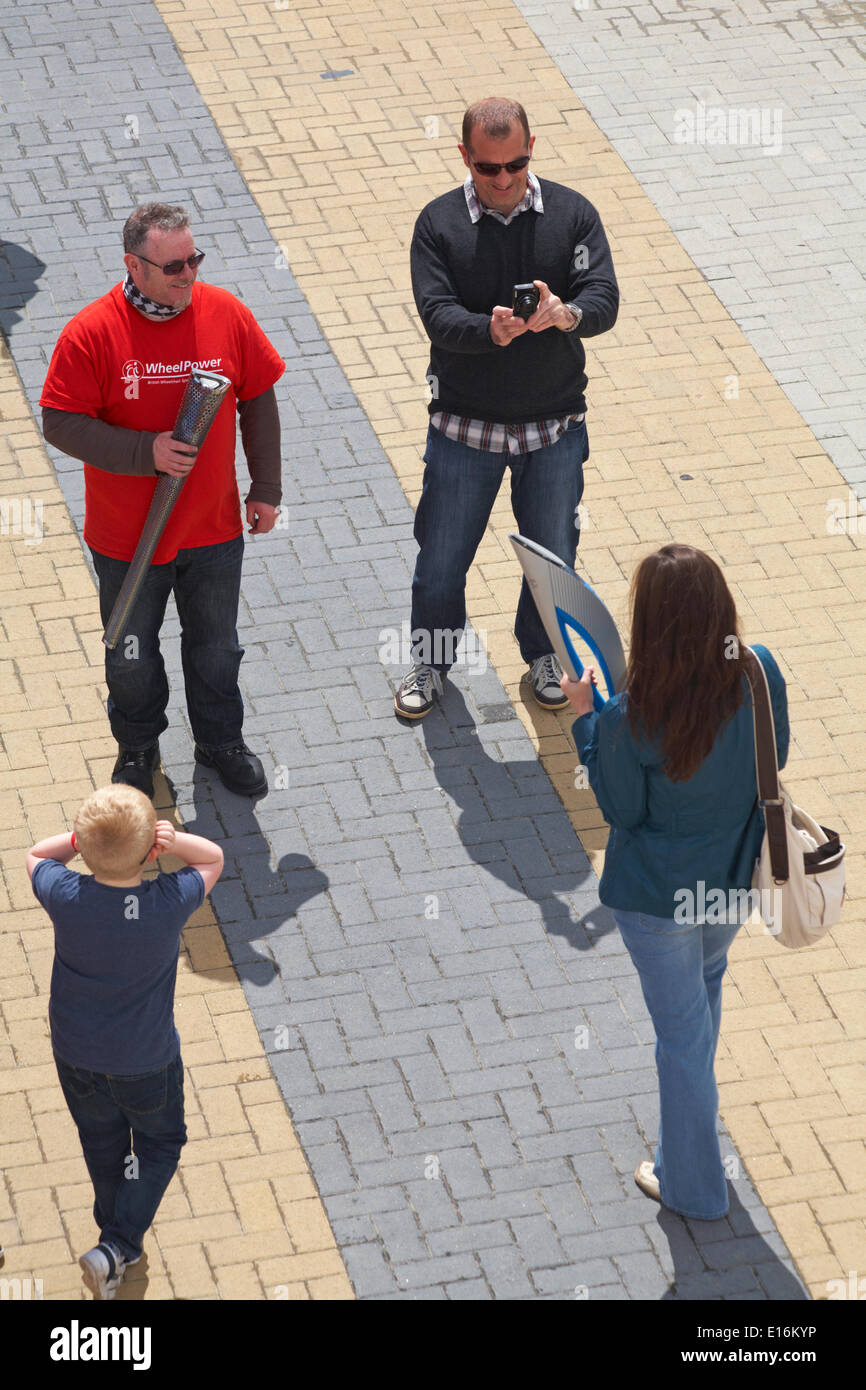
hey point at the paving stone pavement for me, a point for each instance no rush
(452, 1021)
(747, 129)
(337, 186)
(223, 1227)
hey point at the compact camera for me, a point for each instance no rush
(524, 301)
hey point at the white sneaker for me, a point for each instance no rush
(103, 1269)
(545, 674)
(417, 692)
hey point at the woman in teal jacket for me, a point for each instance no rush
(671, 760)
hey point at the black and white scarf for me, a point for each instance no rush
(149, 307)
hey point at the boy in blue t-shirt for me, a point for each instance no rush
(117, 1051)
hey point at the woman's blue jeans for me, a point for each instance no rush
(206, 582)
(459, 488)
(132, 1131)
(681, 969)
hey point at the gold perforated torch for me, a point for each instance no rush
(202, 399)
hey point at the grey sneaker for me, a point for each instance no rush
(417, 692)
(545, 674)
(103, 1269)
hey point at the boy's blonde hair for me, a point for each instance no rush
(114, 830)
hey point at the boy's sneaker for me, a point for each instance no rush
(545, 674)
(417, 692)
(103, 1269)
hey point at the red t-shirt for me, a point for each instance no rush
(113, 364)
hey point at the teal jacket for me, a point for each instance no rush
(666, 836)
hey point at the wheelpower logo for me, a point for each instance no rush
(77, 1343)
(134, 370)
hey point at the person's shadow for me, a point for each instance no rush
(726, 1259)
(19, 272)
(256, 905)
(511, 819)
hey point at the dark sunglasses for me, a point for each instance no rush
(491, 170)
(175, 267)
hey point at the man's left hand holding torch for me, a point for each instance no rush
(172, 457)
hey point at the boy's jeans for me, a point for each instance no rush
(681, 969)
(458, 492)
(106, 1108)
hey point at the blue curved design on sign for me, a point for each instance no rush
(566, 621)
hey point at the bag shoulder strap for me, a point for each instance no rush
(767, 766)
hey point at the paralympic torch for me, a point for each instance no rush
(201, 400)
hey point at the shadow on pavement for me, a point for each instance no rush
(727, 1259)
(511, 820)
(251, 901)
(19, 272)
(135, 1283)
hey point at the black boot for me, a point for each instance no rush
(239, 769)
(136, 769)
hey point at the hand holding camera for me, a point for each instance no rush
(504, 326)
(533, 307)
(551, 312)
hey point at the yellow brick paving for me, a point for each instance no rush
(340, 169)
(242, 1218)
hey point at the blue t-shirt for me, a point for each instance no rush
(115, 966)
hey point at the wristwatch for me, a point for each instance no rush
(578, 315)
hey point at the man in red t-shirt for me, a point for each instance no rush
(111, 399)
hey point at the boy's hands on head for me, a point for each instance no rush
(200, 854)
(164, 836)
(60, 847)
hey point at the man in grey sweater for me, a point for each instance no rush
(507, 388)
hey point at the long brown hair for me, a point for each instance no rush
(684, 670)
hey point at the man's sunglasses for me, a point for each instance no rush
(491, 170)
(175, 267)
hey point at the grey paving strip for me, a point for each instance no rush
(745, 124)
(452, 1019)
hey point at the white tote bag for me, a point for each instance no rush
(800, 873)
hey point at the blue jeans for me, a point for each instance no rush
(108, 1110)
(459, 488)
(206, 582)
(681, 969)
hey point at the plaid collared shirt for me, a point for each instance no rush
(481, 434)
(502, 439)
(531, 199)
